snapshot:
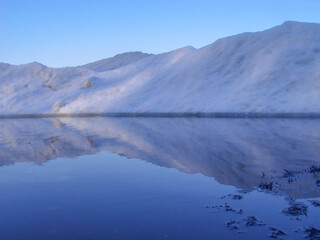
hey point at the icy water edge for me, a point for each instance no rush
(159, 178)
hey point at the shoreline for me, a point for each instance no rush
(166, 115)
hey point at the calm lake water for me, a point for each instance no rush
(159, 178)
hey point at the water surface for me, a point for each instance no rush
(156, 178)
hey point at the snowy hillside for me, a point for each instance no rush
(115, 62)
(274, 71)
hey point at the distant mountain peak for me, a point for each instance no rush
(35, 64)
(292, 23)
(297, 25)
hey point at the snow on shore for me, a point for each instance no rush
(274, 71)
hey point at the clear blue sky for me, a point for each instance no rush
(72, 32)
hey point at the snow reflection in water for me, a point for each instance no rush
(243, 153)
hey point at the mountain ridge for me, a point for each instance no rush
(272, 71)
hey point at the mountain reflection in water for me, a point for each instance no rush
(235, 152)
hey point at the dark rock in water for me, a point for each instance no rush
(313, 233)
(232, 224)
(296, 209)
(266, 186)
(237, 197)
(217, 206)
(318, 183)
(228, 208)
(315, 203)
(314, 169)
(244, 191)
(252, 221)
(240, 211)
(233, 196)
(276, 233)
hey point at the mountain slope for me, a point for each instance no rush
(115, 62)
(273, 71)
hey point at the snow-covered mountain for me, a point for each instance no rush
(273, 71)
(115, 62)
